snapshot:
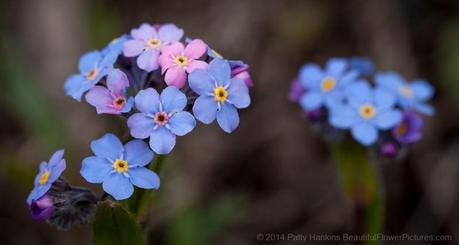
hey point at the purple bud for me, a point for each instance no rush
(389, 149)
(409, 129)
(314, 115)
(43, 208)
(242, 72)
(296, 90)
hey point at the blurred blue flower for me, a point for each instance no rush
(93, 66)
(325, 87)
(219, 95)
(119, 167)
(413, 95)
(362, 65)
(366, 110)
(48, 174)
(161, 118)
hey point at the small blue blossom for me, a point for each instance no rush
(219, 95)
(119, 167)
(325, 87)
(366, 110)
(161, 118)
(413, 95)
(48, 174)
(93, 66)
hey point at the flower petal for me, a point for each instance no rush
(201, 82)
(238, 93)
(137, 153)
(359, 93)
(195, 49)
(311, 101)
(95, 169)
(117, 82)
(364, 133)
(196, 64)
(173, 100)
(343, 117)
(181, 123)
(76, 85)
(169, 33)
(175, 76)
(228, 117)
(383, 99)
(147, 101)
(101, 99)
(140, 125)
(56, 157)
(89, 61)
(144, 32)
(133, 48)
(144, 178)
(118, 186)
(148, 60)
(109, 146)
(205, 109)
(422, 90)
(311, 75)
(162, 141)
(387, 119)
(336, 66)
(220, 70)
(56, 171)
(176, 48)
(38, 192)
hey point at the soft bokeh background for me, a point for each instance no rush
(273, 174)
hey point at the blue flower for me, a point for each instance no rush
(365, 111)
(161, 118)
(325, 87)
(412, 95)
(48, 174)
(363, 66)
(219, 95)
(116, 45)
(93, 66)
(119, 167)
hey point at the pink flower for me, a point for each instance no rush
(176, 61)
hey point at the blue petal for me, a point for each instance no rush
(384, 99)
(311, 75)
(336, 67)
(95, 169)
(422, 90)
(220, 70)
(173, 100)
(205, 109)
(201, 82)
(364, 133)
(109, 146)
(389, 80)
(181, 123)
(89, 61)
(347, 78)
(359, 93)
(117, 185)
(56, 170)
(108, 60)
(147, 101)
(38, 192)
(311, 101)
(333, 99)
(137, 153)
(388, 119)
(238, 93)
(424, 108)
(56, 157)
(228, 118)
(140, 125)
(162, 141)
(76, 85)
(343, 117)
(144, 178)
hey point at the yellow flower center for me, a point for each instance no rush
(406, 91)
(44, 178)
(92, 74)
(181, 60)
(328, 84)
(154, 43)
(220, 94)
(401, 129)
(367, 111)
(120, 166)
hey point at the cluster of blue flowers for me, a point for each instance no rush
(340, 97)
(161, 84)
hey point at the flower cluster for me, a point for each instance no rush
(340, 97)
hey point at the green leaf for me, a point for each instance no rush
(115, 225)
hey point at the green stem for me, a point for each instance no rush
(361, 185)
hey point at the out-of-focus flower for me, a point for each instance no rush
(161, 118)
(363, 66)
(389, 149)
(365, 112)
(147, 43)
(48, 174)
(42, 208)
(242, 72)
(176, 61)
(296, 90)
(93, 66)
(413, 95)
(220, 95)
(325, 87)
(119, 167)
(116, 45)
(111, 100)
(408, 130)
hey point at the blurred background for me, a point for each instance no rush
(273, 174)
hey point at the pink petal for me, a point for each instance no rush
(176, 48)
(132, 48)
(165, 61)
(195, 49)
(144, 32)
(117, 81)
(102, 99)
(175, 76)
(196, 64)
